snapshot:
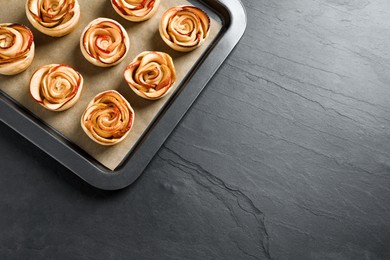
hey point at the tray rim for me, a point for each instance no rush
(82, 164)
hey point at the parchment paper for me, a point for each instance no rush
(143, 36)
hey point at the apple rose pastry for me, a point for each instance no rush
(56, 87)
(53, 17)
(16, 48)
(108, 118)
(184, 28)
(104, 42)
(136, 10)
(151, 74)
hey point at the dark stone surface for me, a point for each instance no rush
(285, 155)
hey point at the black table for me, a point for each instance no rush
(285, 155)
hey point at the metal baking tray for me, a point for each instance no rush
(233, 16)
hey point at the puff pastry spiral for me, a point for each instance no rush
(151, 74)
(136, 10)
(104, 42)
(108, 118)
(16, 48)
(56, 87)
(184, 28)
(53, 17)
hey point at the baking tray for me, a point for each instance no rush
(233, 16)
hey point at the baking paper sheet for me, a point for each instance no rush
(143, 36)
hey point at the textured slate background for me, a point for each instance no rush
(285, 155)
